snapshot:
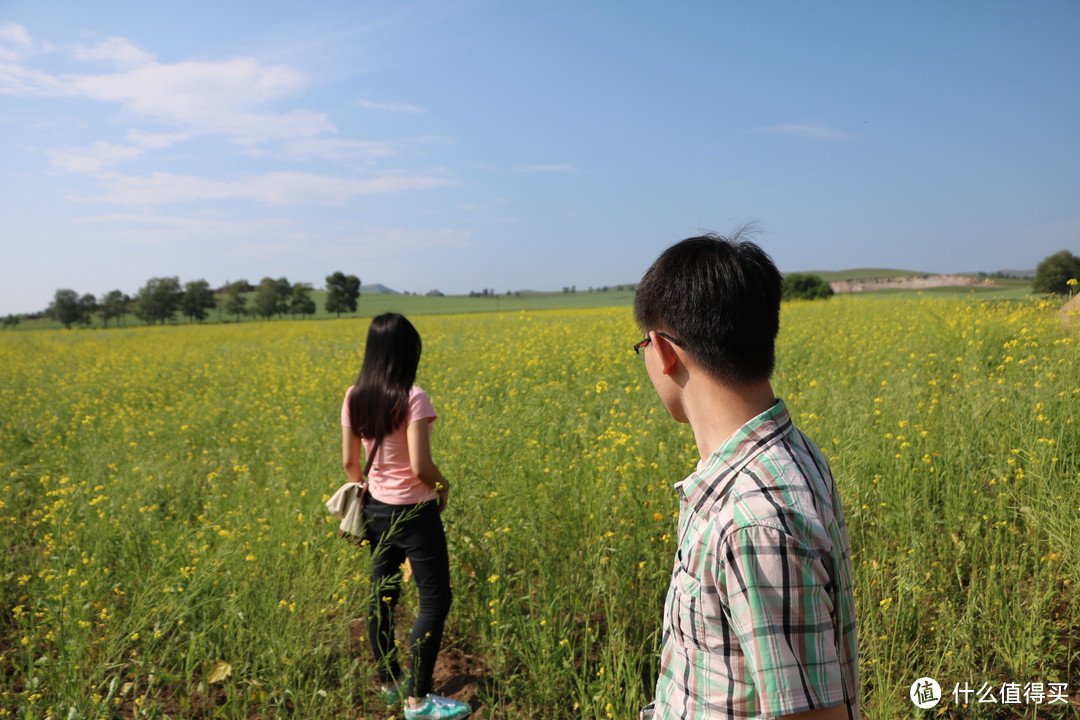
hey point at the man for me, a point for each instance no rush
(759, 620)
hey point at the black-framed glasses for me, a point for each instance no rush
(639, 346)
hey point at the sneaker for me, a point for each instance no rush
(393, 694)
(436, 707)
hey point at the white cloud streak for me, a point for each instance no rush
(94, 159)
(114, 51)
(280, 188)
(157, 229)
(195, 97)
(15, 42)
(391, 107)
(335, 149)
(374, 243)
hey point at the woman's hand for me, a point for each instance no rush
(418, 435)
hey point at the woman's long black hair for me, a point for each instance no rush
(380, 398)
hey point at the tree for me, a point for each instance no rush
(87, 307)
(11, 320)
(235, 303)
(114, 305)
(301, 302)
(284, 295)
(65, 307)
(342, 292)
(158, 300)
(1054, 272)
(805, 286)
(197, 299)
(266, 298)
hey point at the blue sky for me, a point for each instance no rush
(460, 145)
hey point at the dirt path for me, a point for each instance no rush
(915, 282)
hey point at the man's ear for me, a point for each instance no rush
(669, 359)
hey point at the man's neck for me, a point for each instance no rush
(716, 410)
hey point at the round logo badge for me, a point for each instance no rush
(925, 692)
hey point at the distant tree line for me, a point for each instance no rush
(161, 298)
(1059, 274)
(805, 286)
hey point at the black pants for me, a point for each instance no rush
(415, 532)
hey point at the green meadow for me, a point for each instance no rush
(167, 553)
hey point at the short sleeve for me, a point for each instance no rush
(782, 615)
(419, 406)
(345, 419)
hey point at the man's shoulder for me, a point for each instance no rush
(784, 485)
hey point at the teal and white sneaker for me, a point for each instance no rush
(394, 694)
(436, 707)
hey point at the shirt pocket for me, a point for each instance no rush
(685, 616)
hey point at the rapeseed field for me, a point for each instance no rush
(167, 552)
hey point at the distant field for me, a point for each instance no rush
(872, 273)
(864, 274)
(1006, 290)
(167, 553)
(374, 304)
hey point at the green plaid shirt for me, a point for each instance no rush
(760, 617)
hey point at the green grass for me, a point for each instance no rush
(161, 497)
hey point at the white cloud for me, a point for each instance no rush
(336, 149)
(94, 159)
(280, 188)
(374, 243)
(116, 51)
(197, 97)
(813, 132)
(15, 42)
(155, 140)
(18, 80)
(392, 107)
(144, 229)
(233, 99)
(208, 98)
(275, 237)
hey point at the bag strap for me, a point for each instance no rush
(371, 458)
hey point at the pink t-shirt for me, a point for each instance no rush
(391, 479)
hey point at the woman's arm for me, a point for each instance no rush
(351, 450)
(423, 465)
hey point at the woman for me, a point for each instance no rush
(385, 414)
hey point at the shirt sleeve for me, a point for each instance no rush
(782, 615)
(345, 420)
(419, 407)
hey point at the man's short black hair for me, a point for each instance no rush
(720, 296)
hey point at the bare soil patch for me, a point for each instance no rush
(914, 282)
(1070, 313)
(459, 673)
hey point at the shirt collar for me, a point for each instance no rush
(715, 474)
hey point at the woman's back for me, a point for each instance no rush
(392, 479)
